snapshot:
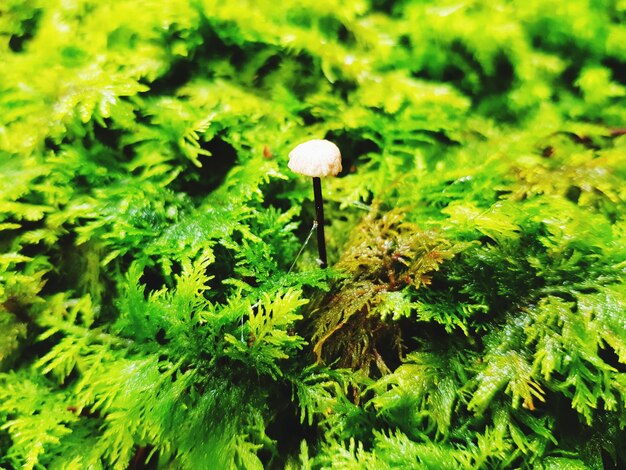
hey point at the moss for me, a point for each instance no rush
(159, 305)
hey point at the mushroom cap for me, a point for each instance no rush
(315, 158)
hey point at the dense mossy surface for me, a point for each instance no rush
(159, 307)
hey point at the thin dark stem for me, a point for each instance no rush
(319, 217)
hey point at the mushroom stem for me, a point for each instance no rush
(319, 219)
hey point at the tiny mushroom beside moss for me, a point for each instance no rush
(317, 158)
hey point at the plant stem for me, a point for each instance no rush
(319, 218)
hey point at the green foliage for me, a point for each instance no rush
(38, 417)
(171, 373)
(159, 305)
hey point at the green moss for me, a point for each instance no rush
(157, 303)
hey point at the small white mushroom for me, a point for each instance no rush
(316, 158)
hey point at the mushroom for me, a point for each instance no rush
(317, 158)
